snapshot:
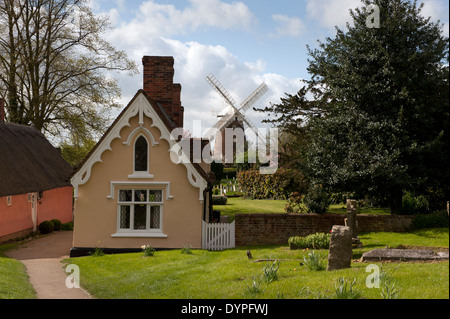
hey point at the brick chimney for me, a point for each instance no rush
(2, 110)
(159, 86)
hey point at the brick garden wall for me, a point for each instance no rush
(275, 229)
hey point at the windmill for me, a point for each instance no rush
(234, 115)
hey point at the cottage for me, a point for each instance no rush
(34, 180)
(131, 191)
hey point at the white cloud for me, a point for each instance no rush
(437, 10)
(167, 20)
(151, 32)
(288, 26)
(331, 13)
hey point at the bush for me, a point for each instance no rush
(46, 227)
(413, 205)
(314, 241)
(434, 220)
(67, 226)
(295, 204)
(271, 186)
(57, 225)
(219, 200)
(317, 200)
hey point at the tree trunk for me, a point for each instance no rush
(396, 201)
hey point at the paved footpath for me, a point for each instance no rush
(42, 258)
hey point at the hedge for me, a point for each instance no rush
(275, 186)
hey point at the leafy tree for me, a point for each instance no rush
(74, 152)
(376, 108)
(53, 61)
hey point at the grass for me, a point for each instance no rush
(248, 206)
(14, 282)
(230, 275)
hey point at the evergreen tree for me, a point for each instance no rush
(380, 96)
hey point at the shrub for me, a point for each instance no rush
(295, 204)
(434, 220)
(46, 227)
(219, 200)
(413, 205)
(67, 226)
(314, 241)
(317, 200)
(57, 224)
(270, 186)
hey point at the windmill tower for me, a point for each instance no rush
(234, 118)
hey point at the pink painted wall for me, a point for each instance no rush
(16, 217)
(55, 204)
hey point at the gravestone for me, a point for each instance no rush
(352, 223)
(390, 254)
(340, 251)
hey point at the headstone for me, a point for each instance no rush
(340, 251)
(352, 223)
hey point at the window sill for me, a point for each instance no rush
(139, 234)
(138, 175)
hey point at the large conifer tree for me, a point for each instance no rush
(378, 120)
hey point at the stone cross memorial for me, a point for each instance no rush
(351, 222)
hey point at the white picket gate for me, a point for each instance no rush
(218, 236)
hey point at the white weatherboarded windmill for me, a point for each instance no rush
(235, 116)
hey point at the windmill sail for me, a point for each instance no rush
(221, 90)
(234, 113)
(254, 97)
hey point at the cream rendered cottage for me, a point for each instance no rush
(129, 191)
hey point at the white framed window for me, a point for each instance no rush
(141, 158)
(8, 200)
(140, 213)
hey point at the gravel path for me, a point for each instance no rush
(42, 258)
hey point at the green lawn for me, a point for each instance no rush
(230, 274)
(14, 282)
(246, 206)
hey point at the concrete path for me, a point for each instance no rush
(42, 258)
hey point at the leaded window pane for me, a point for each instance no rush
(140, 195)
(155, 217)
(125, 195)
(141, 155)
(155, 196)
(140, 217)
(125, 217)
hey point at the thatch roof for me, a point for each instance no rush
(28, 162)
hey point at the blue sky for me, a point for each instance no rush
(243, 43)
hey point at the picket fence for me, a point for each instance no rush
(218, 236)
